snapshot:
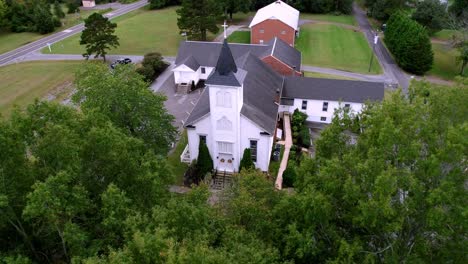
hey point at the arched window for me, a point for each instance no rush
(223, 99)
(223, 124)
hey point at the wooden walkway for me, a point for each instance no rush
(287, 148)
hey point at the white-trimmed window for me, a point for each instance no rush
(203, 70)
(323, 118)
(325, 107)
(304, 105)
(253, 150)
(261, 41)
(347, 106)
(224, 147)
(262, 31)
(223, 99)
(283, 32)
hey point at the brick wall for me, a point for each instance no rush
(272, 28)
(280, 67)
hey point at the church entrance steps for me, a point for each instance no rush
(221, 180)
(185, 156)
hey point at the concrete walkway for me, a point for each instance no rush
(358, 76)
(287, 148)
(229, 31)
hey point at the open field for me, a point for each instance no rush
(343, 19)
(326, 76)
(21, 84)
(445, 64)
(446, 34)
(239, 37)
(10, 41)
(336, 47)
(139, 32)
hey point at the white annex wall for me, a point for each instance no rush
(202, 128)
(314, 109)
(251, 131)
(183, 74)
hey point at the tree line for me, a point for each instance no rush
(91, 185)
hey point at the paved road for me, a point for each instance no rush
(391, 69)
(16, 54)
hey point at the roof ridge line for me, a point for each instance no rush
(274, 45)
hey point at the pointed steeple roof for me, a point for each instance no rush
(226, 63)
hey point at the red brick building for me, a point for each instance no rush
(277, 19)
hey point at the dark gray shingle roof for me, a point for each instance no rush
(191, 63)
(285, 53)
(201, 109)
(333, 90)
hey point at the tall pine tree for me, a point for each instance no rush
(198, 17)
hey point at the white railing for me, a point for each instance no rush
(185, 156)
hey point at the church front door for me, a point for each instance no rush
(226, 162)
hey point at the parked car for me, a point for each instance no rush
(121, 61)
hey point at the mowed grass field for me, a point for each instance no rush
(332, 46)
(21, 84)
(10, 41)
(445, 62)
(326, 76)
(139, 32)
(342, 19)
(239, 37)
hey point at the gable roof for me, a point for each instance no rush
(260, 86)
(333, 90)
(277, 10)
(191, 63)
(207, 53)
(285, 53)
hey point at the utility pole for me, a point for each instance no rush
(376, 39)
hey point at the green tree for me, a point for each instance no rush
(246, 161)
(198, 17)
(204, 161)
(153, 65)
(431, 14)
(459, 8)
(3, 13)
(409, 43)
(462, 58)
(233, 6)
(98, 36)
(58, 10)
(125, 98)
(404, 179)
(57, 203)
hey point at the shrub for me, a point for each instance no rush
(246, 161)
(58, 10)
(409, 43)
(204, 162)
(153, 65)
(289, 176)
(305, 137)
(73, 7)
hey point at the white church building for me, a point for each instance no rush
(244, 97)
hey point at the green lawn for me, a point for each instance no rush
(332, 46)
(326, 76)
(178, 168)
(343, 19)
(446, 34)
(10, 41)
(445, 65)
(21, 83)
(240, 37)
(140, 32)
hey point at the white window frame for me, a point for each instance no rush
(225, 147)
(223, 99)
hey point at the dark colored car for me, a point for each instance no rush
(121, 61)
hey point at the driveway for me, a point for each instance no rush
(391, 69)
(178, 105)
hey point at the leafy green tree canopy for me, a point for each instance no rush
(98, 36)
(198, 17)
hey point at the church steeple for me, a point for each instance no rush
(226, 63)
